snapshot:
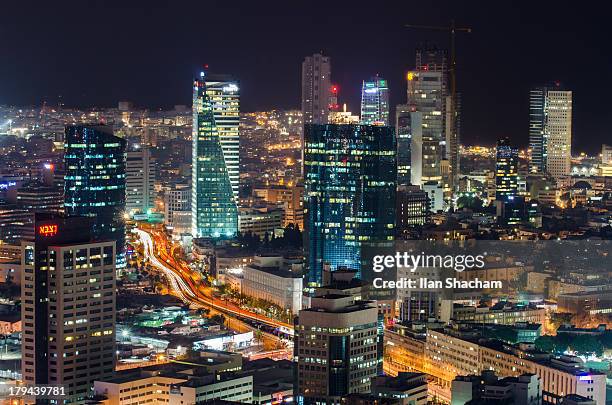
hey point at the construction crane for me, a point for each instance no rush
(452, 29)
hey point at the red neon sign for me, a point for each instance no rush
(47, 230)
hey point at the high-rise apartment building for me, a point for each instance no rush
(375, 102)
(94, 181)
(177, 209)
(407, 122)
(453, 139)
(336, 349)
(412, 208)
(140, 180)
(427, 94)
(68, 306)
(215, 167)
(506, 170)
(550, 130)
(316, 88)
(350, 185)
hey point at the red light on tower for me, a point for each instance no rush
(334, 89)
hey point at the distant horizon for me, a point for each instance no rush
(160, 47)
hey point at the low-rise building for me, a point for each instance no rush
(502, 313)
(260, 221)
(459, 350)
(226, 386)
(486, 389)
(586, 302)
(275, 279)
(407, 388)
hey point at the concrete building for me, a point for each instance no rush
(487, 389)
(316, 88)
(274, 279)
(38, 197)
(292, 199)
(336, 348)
(260, 220)
(68, 310)
(175, 384)
(412, 208)
(455, 351)
(139, 180)
(406, 388)
(427, 93)
(144, 387)
(177, 209)
(226, 386)
(502, 313)
(435, 192)
(550, 130)
(586, 302)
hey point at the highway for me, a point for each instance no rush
(187, 285)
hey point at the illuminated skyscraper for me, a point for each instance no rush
(550, 130)
(336, 349)
(350, 185)
(215, 167)
(140, 180)
(405, 126)
(68, 306)
(506, 170)
(427, 94)
(375, 102)
(94, 182)
(316, 87)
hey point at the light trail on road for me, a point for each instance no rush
(190, 294)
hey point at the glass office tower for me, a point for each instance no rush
(94, 183)
(375, 102)
(215, 167)
(350, 185)
(506, 170)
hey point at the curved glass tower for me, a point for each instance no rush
(215, 168)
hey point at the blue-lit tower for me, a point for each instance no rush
(94, 183)
(350, 185)
(215, 164)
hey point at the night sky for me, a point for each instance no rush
(98, 52)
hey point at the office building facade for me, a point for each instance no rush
(94, 181)
(350, 186)
(140, 181)
(336, 349)
(550, 130)
(427, 94)
(215, 167)
(412, 208)
(177, 209)
(68, 306)
(405, 120)
(506, 170)
(316, 89)
(375, 102)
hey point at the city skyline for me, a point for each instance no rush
(514, 62)
(337, 203)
